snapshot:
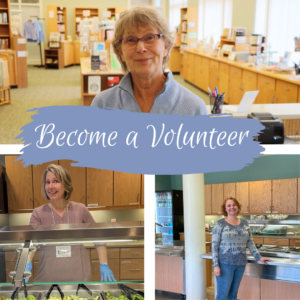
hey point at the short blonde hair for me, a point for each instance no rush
(63, 175)
(223, 207)
(141, 16)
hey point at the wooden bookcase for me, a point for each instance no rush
(114, 11)
(78, 13)
(59, 22)
(188, 34)
(57, 58)
(5, 30)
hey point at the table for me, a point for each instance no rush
(85, 69)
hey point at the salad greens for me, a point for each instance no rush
(109, 296)
(30, 297)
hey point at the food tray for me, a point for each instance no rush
(117, 293)
(81, 294)
(7, 295)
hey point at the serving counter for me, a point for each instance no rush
(125, 247)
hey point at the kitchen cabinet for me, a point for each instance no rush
(276, 241)
(257, 240)
(242, 195)
(127, 189)
(207, 199)
(278, 290)
(185, 65)
(131, 269)
(19, 186)
(114, 265)
(224, 80)
(249, 288)
(249, 81)
(284, 196)
(213, 74)
(235, 91)
(37, 182)
(78, 175)
(132, 252)
(191, 68)
(295, 242)
(285, 92)
(217, 197)
(99, 188)
(260, 196)
(266, 87)
(229, 190)
(201, 72)
(77, 52)
(143, 191)
(2, 208)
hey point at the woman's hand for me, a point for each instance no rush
(264, 259)
(217, 271)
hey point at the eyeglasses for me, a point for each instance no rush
(148, 40)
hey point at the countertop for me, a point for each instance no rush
(284, 262)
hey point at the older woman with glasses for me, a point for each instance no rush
(142, 43)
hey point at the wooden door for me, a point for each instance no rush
(37, 173)
(185, 64)
(242, 195)
(19, 185)
(217, 198)
(284, 196)
(249, 288)
(278, 290)
(131, 269)
(229, 190)
(191, 68)
(286, 92)
(283, 98)
(99, 188)
(204, 73)
(77, 52)
(213, 74)
(114, 265)
(235, 92)
(78, 176)
(260, 196)
(224, 80)
(208, 199)
(266, 87)
(249, 81)
(127, 189)
(143, 191)
(198, 70)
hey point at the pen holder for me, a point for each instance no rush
(216, 104)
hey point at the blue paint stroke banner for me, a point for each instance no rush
(140, 143)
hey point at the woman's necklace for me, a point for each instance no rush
(53, 214)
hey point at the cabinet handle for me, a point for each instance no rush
(37, 202)
(249, 76)
(133, 203)
(126, 262)
(219, 212)
(287, 89)
(133, 253)
(272, 99)
(297, 242)
(276, 98)
(266, 82)
(135, 269)
(224, 68)
(95, 207)
(30, 202)
(235, 72)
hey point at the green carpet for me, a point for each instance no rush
(46, 88)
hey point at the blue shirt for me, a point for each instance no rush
(229, 243)
(173, 99)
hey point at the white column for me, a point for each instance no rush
(194, 235)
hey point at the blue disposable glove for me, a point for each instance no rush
(106, 273)
(28, 269)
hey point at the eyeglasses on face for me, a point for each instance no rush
(148, 40)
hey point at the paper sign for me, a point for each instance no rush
(21, 41)
(21, 53)
(191, 25)
(106, 14)
(51, 14)
(192, 35)
(92, 38)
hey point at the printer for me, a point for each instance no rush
(274, 131)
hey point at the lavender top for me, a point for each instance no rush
(229, 243)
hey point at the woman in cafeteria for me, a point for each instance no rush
(74, 264)
(231, 235)
(142, 43)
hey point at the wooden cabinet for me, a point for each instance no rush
(249, 81)
(201, 72)
(278, 290)
(143, 191)
(235, 92)
(229, 190)
(132, 252)
(57, 23)
(185, 65)
(213, 74)
(54, 58)
(208, 199)
(131, 269)
(191, 68)
(224, 80)
(37, 182)
(78, 175)
(2, 208)
(285, 92)
(174, 62)
(114, 265)
(249, 288)
(260, 196)
(257, 240)
(77, 52)
(284, 198)
(217, 198)
(19, 186)
(78, 13)
(295, 242)
(242, 195)
(276, 241)
(266, 87)
(127, 189)
(99, 188)
(68, 53)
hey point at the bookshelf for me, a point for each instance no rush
(188, 30)
(54, 58)
(78, 13)
(114, 11)
(57, 20)
(5, 30)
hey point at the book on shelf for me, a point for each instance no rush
(61, 27)
(184, 26)
(94, 84)
(60, 18)
(184, 38)
(3, 18)
(3, 43)
(49, 60)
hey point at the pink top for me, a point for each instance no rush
(77, 212)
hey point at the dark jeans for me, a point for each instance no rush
(229, 281)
